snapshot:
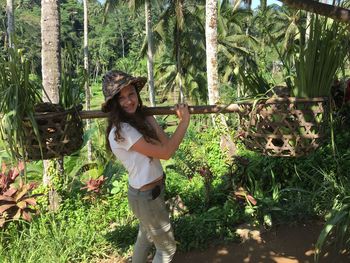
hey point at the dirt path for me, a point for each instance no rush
(285, 244)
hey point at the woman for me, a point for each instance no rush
(139, 142)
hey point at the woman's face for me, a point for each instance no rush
(128, 99)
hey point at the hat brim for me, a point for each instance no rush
(137, 82)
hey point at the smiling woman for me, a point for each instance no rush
(139, 142)
(128, 99)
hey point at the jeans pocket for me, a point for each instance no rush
(156, 192)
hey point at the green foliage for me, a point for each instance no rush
(208, 152)
(320, 58)
(284, 189)
(54, 238)
(18, 95)
(289, 189)
(180, 60)
(208, 161)
(197, 176)
(200, 173)
(337, 225)
(72, 79)
(198, 230)
(254, 83)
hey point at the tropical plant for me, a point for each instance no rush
(241, 48)
(15, 199)
(18, 95)
(254, 83)
(319, 58)
(8, 177)
(94, 185)
(181, 66)
(337, 225)
(72, 79)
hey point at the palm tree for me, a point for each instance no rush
(86, 68)
(10, 22)
(148, 18)
(51, 58)
(181, 30)
(211, 50)
(235, 44)
(134, 5)
(50, 53)
(211, 37)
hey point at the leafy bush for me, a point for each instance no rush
(16, 201)
(198, 230)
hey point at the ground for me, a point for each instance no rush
(283, 244)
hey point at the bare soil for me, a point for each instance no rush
(283, 244)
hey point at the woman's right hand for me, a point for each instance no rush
(182, 112)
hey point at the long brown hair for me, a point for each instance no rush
(137, 120)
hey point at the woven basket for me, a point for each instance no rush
(289, 127)
(61, 132)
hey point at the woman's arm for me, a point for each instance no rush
(167, 147)
(162, 136)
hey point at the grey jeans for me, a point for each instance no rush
(154, 226)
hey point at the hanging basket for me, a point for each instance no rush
(289, 127)
(61, 132)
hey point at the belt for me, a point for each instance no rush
(150, 186)
(151, 190)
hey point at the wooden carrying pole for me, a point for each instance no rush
(207, 109)
(170, 110)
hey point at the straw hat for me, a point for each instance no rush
(114, 81)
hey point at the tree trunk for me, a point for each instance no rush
(51, 60)
(148, 17)
(178, 61)
(10, 22)
(86, 67)
(178, 65)
(50, 53)
(334, 12)
(211, 50)
(211, 38)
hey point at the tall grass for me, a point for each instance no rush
(73, 235)
(47, 240)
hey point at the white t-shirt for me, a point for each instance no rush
(142, 169)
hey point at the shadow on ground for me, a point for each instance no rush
(284, 244)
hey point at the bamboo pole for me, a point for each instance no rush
(170, 110)
(206, 109)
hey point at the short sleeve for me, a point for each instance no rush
(130, 135)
